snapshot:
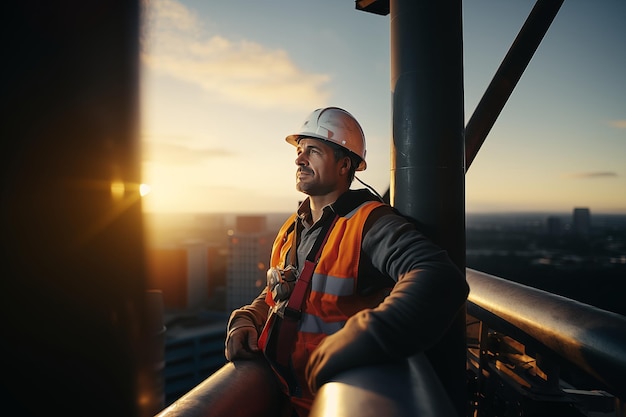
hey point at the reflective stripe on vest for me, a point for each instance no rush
(313, 324)
(332, 285)
(332, 298)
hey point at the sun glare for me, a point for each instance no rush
(117, 189)
(144, 189)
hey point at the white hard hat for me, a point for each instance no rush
(337, 126)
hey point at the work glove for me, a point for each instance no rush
(242, 340)
(243, 329)
(350, 347)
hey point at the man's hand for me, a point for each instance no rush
(241, 342)
(350, 347)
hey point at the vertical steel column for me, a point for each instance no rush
(427, 173)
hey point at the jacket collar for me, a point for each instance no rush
(346, 202)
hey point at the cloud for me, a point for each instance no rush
(620, 124)
(597, 174)
(179, 155)
(242, 71)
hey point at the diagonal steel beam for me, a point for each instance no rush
(507, 76)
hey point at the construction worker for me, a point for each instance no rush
(352, 282)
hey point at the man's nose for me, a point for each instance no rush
(300, 159)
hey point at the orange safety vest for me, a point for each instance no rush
(332, 298)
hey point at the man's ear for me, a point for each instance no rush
(346, 165)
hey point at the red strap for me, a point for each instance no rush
(296, 300)
(291, 317)
(284, 345)
(293, 310)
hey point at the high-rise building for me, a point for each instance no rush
(249, 254)
(181, 273)
(554, 226)
(581, 222)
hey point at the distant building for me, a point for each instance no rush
(249, 253)
(217, 263)
(554, 226)
(581, 222)
(181, 273)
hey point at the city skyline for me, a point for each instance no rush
(223, 84)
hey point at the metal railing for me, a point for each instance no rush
(406, 389)
(588, 338)
(248, 389)
(583, 336)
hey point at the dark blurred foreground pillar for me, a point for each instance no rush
(71, 251)
(428, 173)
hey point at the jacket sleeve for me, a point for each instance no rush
(254, 314)
(428, 294)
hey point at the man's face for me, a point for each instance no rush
(318, 173)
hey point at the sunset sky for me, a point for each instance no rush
(224, 82)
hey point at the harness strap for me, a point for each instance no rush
(293, 309)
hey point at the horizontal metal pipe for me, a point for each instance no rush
(239, 389)
(409, 388)
(591, 338)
